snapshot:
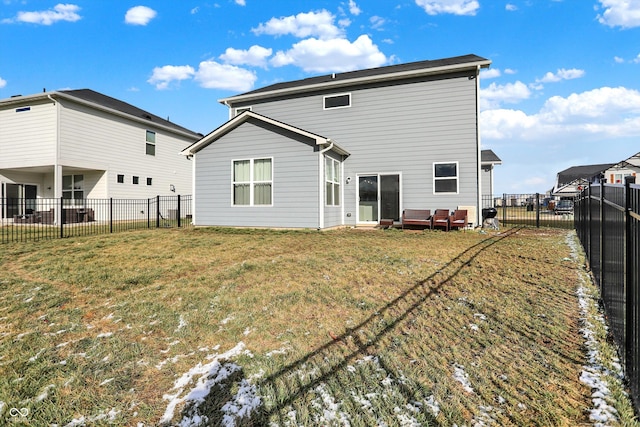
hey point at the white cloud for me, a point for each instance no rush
(241, 2)
(455, 7)
(139, 15)
(491, 73)
(163, 76)
(60, 12)
(620, 13)
(319, 24)
(195, 10)
(255, 56)
(377, 22)
(605, 112)
(511, 7)
(509, 71)
(336, 55)
(562, 74)
(3, 82)
(510, 93)
(637, 59)
(212, 75)
(353, 8)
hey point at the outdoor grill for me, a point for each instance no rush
(489, 218)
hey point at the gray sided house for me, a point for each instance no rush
(346, 149)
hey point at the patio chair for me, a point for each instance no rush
(458, 219)
(440, 219)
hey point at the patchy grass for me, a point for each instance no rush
(258, 327)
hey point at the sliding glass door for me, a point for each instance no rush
(378, 198)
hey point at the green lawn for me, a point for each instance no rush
(258, 327)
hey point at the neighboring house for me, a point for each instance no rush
(489, 160)
(345, 149)
(571, 181)
(80, 144)
(617, 173)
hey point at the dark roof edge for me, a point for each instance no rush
(389, 72)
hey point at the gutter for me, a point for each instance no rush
(321, 183)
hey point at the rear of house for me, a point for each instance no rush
(407, 134)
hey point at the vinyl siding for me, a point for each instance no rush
(397, 128)
(295, 179)
(113, 145)
(28, 138)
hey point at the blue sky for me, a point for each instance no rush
(563, 89)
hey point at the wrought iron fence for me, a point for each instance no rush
(535, 210)
(38, 218)
(608, 226)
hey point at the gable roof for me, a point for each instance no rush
(370, 75)
(106, 103)
(246, 115)
(489, 157)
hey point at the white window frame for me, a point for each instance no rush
(457, 178)
(150, 143)
(252, 182)
(324, 101)
(71, 201)
(336, 165)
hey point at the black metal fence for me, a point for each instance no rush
(608, 225)
(37, 219)
(536, 210)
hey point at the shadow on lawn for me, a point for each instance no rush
(327, 362)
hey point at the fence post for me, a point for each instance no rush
(504, 208)
(630, 292)
(148, 213)
(110, 214)
(179, 211)
(601, 241)
(62, 217)
(537, 210)
(158, 211)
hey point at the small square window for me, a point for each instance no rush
(149, 181)
(120, 179)
(136, 180)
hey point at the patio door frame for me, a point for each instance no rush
(379, 200)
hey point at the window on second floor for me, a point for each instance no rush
(445, 178)
(342, 100)
(332, 181)
(252, 182)
(135, 180)
(151, 143)
(120, 179)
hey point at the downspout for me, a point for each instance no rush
(57, 169)
(321, 183)
(479, 148)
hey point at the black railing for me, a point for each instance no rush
(608, 226)
(534, 210)
(37, 219)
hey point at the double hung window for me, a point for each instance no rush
(445, 178)
(253, 182)
(332, 181)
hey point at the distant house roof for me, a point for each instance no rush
(489, 157)
(586, 172)
(390, 72)
(247, 115)
(104, 102)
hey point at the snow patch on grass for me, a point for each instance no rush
(201, 378)
(460, 375)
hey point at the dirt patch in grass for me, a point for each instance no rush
(357, 326)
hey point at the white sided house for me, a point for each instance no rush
(346, 149)
(80, 144)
